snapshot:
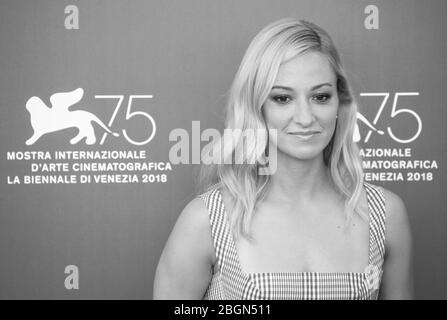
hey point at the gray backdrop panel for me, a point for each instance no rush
(185, 54)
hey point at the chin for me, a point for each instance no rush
(303, 153)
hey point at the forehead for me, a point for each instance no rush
(305, 71)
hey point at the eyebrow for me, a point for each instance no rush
(313, 88)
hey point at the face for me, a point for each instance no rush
(302, 106)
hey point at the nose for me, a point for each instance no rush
(302, 114)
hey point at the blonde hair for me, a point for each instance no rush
(250, 89)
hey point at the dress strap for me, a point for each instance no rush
(376, 204)
(232, 277)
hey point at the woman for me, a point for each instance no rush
(312, 228)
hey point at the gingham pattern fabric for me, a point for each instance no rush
(230, 282)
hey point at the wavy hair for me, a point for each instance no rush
(251, 86)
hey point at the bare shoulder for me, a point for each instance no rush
(193, 229)
(185, 267)
(397, 220)
(194, 215)
(395, 208)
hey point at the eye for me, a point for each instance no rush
(281, 99)
(322, 97)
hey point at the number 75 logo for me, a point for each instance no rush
(130, 114)
(396, 110)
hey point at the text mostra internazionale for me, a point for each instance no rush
(77, 155)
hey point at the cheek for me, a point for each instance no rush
(327, 117)
(276, 120)
(329, 124)
(273, 118)
(329, 121)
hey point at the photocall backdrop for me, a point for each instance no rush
(94, 95)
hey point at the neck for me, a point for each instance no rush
(300, 181)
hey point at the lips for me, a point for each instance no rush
(304, 133)
(304, 136)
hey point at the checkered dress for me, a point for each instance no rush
(230, 282)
